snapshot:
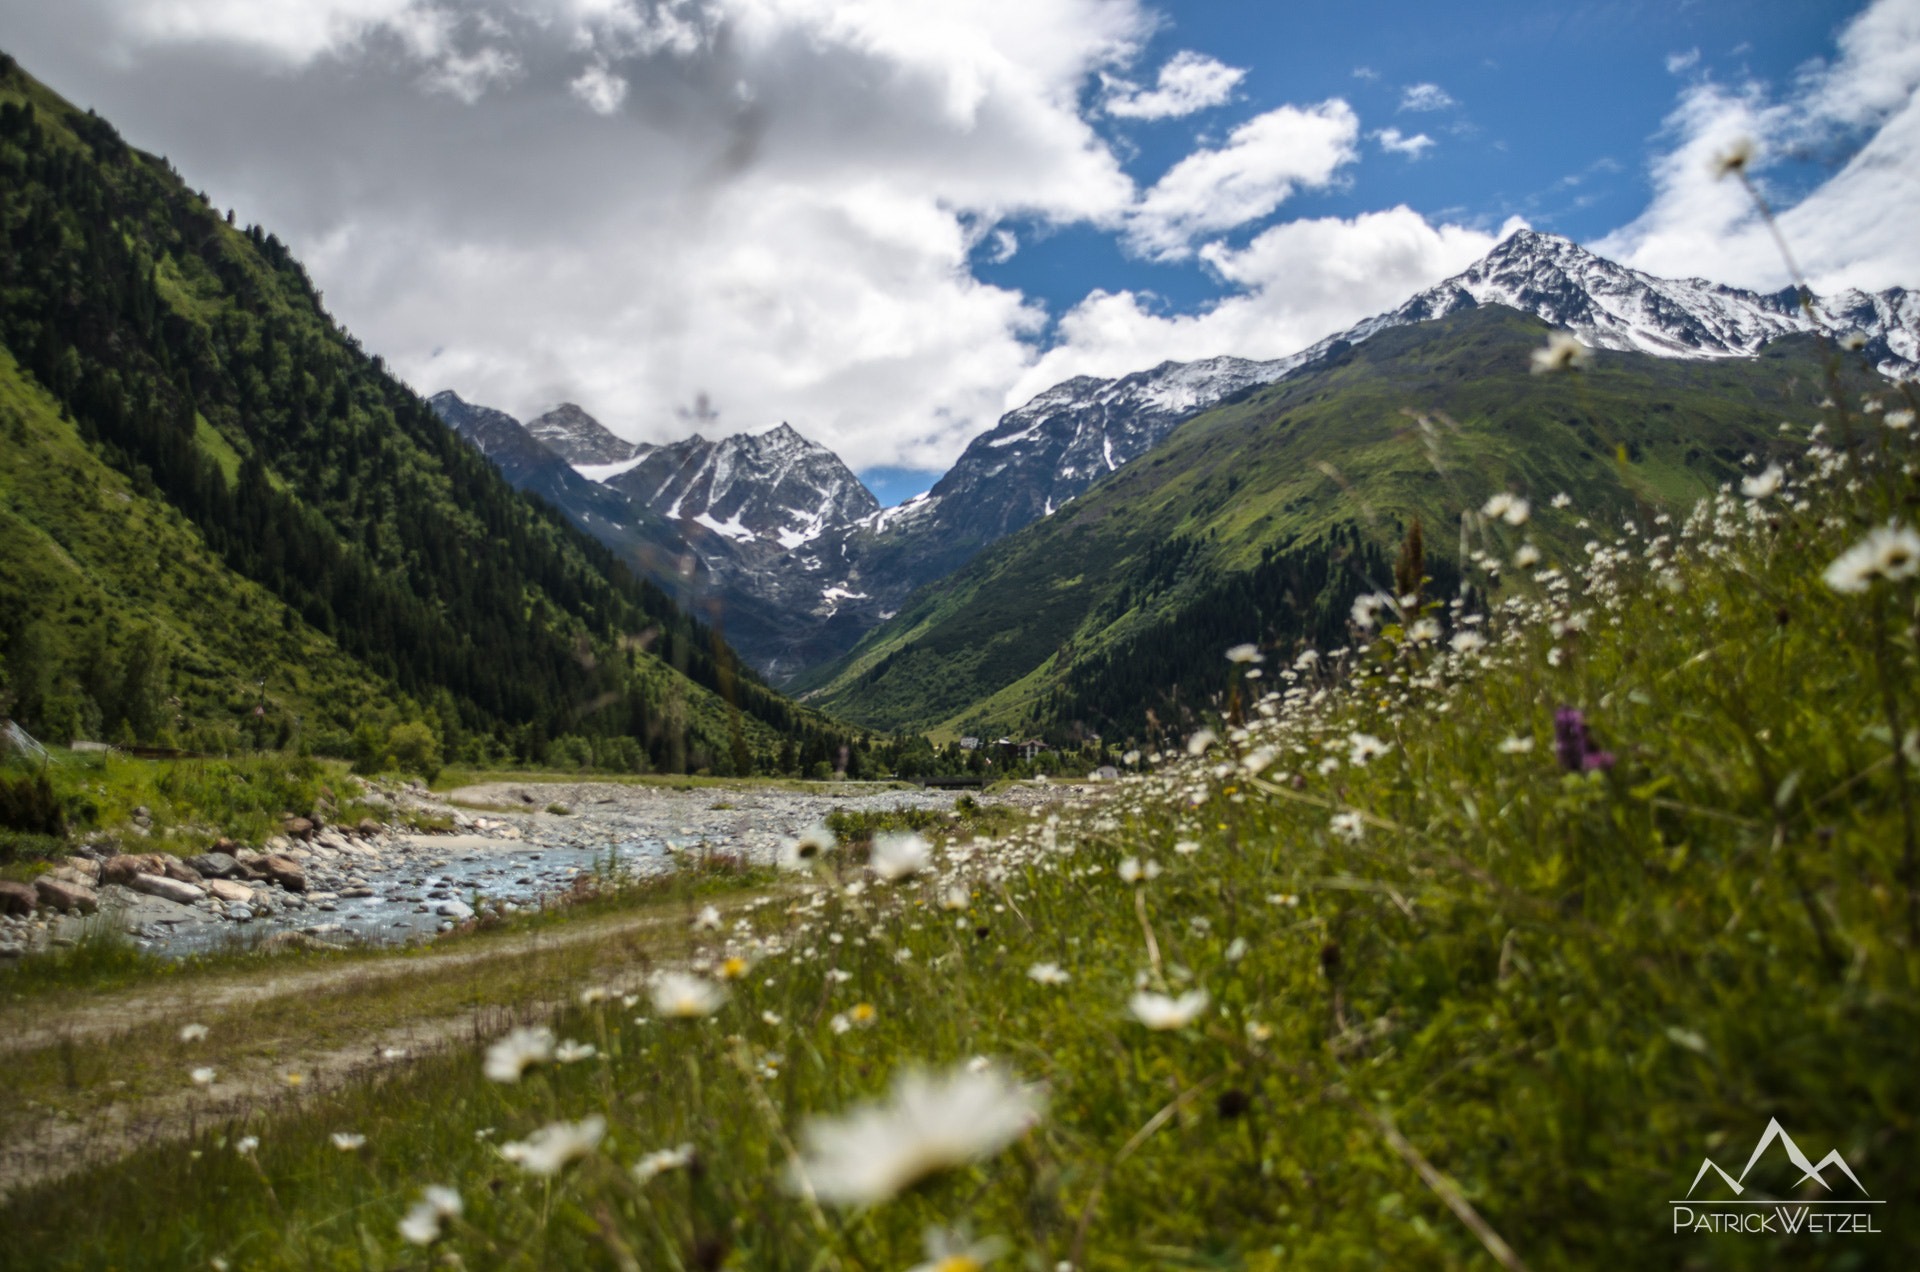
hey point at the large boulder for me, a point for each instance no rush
(160, 885)
(66, 897)
(218, 864)
(368, 828)
(86, 867)
(174, 868)
(229, 891)
(17, 898)
(297, 828)
(284, 871)
(127, 865)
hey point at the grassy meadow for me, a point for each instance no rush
(1458, 946)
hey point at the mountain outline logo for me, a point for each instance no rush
(1809, 1170)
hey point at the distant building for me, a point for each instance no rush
(1107, 773)
(969, 744)
(1024, 750)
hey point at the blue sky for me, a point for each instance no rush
(1546, 111)
(888, 223)
(1558, 107)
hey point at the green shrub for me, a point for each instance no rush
(414, 749)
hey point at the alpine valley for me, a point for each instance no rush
(786, 549)
(225, 525)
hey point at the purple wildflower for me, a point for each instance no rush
(1573, 742)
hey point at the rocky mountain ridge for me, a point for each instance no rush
(755, 528)
(804, 560)
(1049, 450)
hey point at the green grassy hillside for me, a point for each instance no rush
(212, 486)
(1455, 955)
(1262, 519)
(99, 567)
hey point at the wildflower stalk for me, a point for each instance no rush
(1153, 946)
(1890, 704)
(1127, 1150)
(742, 1057)
(1448, 1191)
(1883, 662)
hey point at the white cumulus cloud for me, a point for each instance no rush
(600, 89)
(1189, 82)
(1426, 97)
(1851, 230)
(1297, 282)
(629, 203)
(1394, 142)
(1263, 161)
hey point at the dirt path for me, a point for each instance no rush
(133, 1008)
(65, 1127)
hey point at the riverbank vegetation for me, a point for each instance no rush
(1463, 940)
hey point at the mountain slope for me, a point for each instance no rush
(799, 562)
(578, 438)
(115, 605)
(1261, 519)
(1049, 450)
(196, 360)
(755, 528)
(645, 543)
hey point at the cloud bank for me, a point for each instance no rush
(1850, 230)
(780, 204)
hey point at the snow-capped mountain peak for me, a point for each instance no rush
(1610, 306)
(1044, 452)
(774, 486)
(578, 438)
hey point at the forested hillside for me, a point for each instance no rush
(252, 437)
(1263, 519)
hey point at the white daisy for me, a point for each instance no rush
(1366, 609)
(1047, 974)
(422, 1224)
(1764, 484)
(896, 856)
(1734, 159)
(813, 843)
(519, 1051)
(1563, 352)
(1362, 747)
(658, 1163)
(548, 1150)
(682, 995)
(346, 1142)
(929, 1123)
(1158, 1011)
(1891, 551)
(953, 1252)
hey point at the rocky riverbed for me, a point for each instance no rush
(373, 883)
